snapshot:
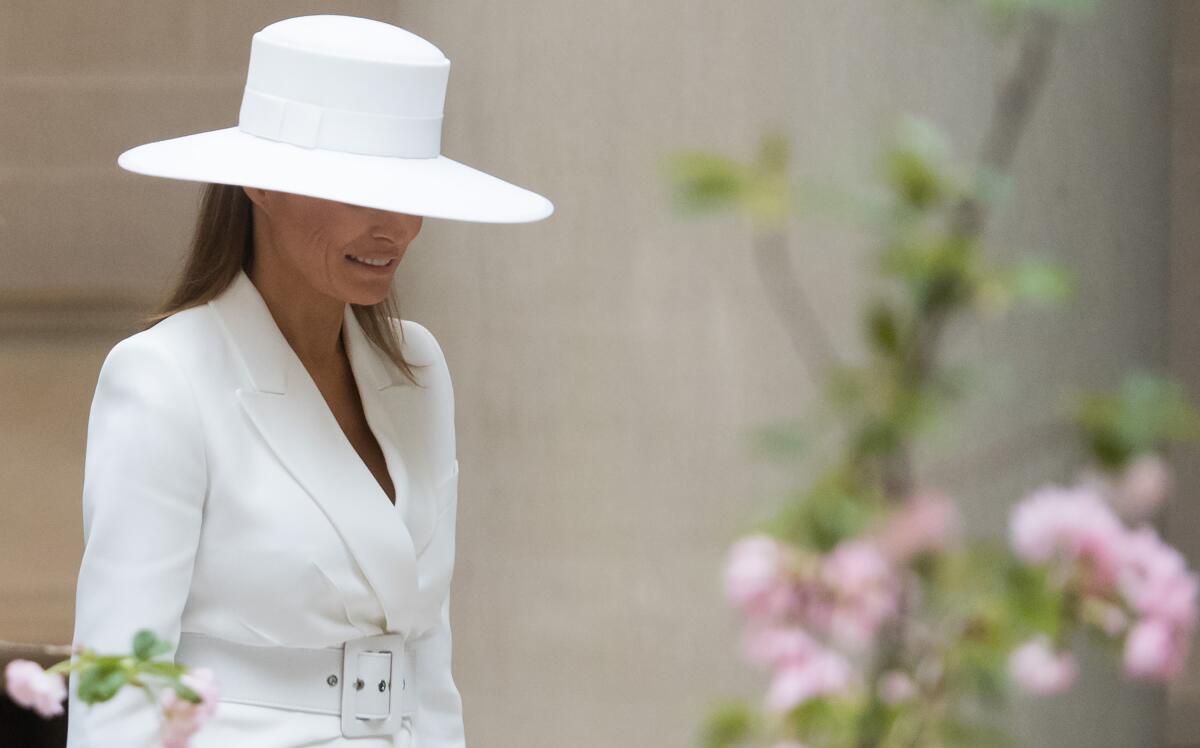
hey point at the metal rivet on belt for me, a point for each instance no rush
(382, 686)
(331, 680)
(358, 684)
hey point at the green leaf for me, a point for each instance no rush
(883, 328)
(827, 720)
(941, 271)
(913, 179)
(186, 692)
(100, 682)
(1145, 414)
(767, 196)
(727, 725)
(1035, 604)
(146, 645)
(703, 182)
(958, 733)
(917, 166)
(162, 669)
(826, 513)
(1040, 281)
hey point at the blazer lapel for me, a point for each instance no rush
(395, 409)
(289, 411)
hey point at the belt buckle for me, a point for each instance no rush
(376, 685)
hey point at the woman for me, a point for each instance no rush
(271, 472)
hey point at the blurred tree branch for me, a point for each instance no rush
(1014, 103)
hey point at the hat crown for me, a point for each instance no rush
(347, 84)
(351, 36)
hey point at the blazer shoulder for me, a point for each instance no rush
(185, 339)
(425, 349)
(419, 344)
(144, 372)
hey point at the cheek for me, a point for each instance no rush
(308, 249)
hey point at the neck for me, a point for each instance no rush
(310, 320)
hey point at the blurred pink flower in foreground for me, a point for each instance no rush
(1155, 579)
(1039, 669)
(1071, 524)
(30, 686)
(757, 575)
(927, 521)
(803, 615)
(863, 591)
(1118, 568)
(1154, 651)
(1158, 586)
(184, 718)
(772, 645)
(822, 673)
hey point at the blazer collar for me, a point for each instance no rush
(266, 353)
(293, 417)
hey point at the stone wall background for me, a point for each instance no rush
(609, 362)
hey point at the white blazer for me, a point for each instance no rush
(221, 496)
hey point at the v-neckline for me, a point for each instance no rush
(361, 383)
(358, 375)
(357, 349)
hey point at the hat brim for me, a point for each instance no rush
(437, 187)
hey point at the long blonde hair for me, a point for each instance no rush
(223, 243)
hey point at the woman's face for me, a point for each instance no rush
(326, 242)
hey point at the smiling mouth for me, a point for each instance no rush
(373, 262)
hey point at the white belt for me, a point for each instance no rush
(367, 681)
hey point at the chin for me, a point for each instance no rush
(365, 294)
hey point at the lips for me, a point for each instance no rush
(373, 261)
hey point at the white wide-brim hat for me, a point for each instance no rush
(346, 109)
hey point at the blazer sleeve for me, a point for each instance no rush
(439, 718)
(145, 480)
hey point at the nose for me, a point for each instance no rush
(399, 228)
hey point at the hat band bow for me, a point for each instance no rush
(313, 126)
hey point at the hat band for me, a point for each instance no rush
(315, 126)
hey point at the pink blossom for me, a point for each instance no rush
(864, 592)
(756, 575)
(1070, 524)
(772, 645)
(1039, 669)
(184, 718)
(1158, 586)
(1154, 650)
(825, 672)
(1155, 579)
(32, 687)
(927, 521)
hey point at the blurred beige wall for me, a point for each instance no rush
(1182, 520)
(608, 362)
